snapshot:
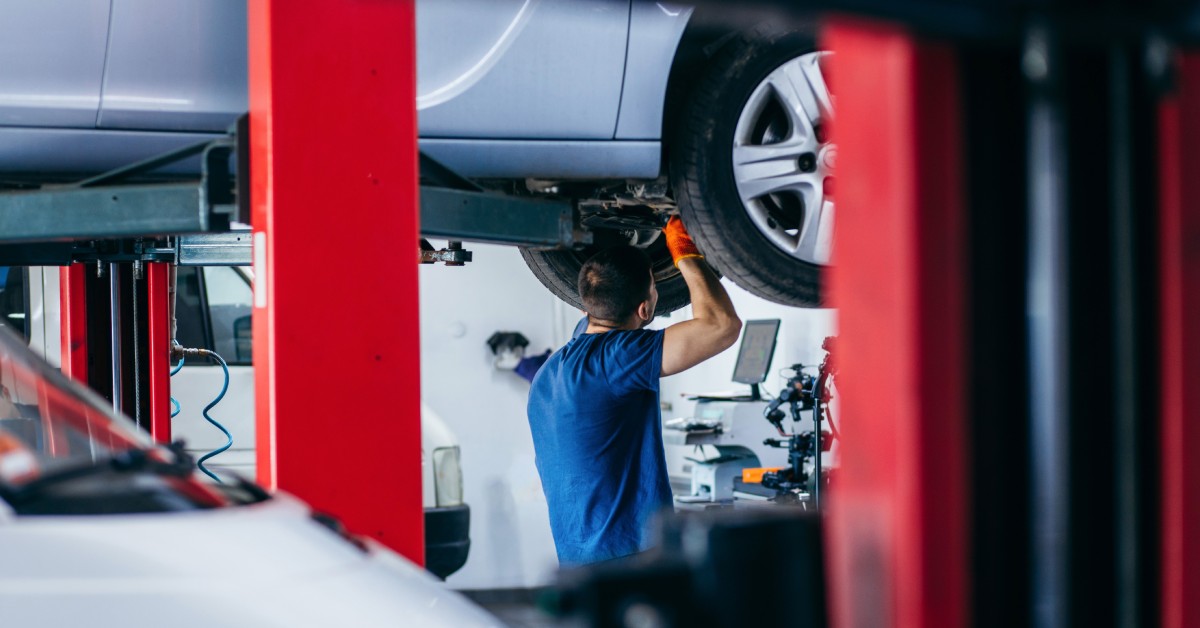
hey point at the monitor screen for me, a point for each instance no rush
(756, 352)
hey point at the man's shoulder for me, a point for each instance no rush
(633, 339)
(610, 344)
(598, 353)
(548, 368)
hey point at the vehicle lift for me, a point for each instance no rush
(352, 449)
(910, 527)
(117, 234)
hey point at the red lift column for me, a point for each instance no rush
(898, 521)
(1179, 259)
(73, 321)
(158, 333)
(334, 197)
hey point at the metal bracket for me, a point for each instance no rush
(214, 249)
(218, 187)
(452, 255)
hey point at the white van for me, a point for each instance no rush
(212, 309)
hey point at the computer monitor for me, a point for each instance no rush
(755, 354)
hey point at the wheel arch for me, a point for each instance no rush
(701, 40)
(708, 30)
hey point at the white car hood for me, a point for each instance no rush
(266, 564)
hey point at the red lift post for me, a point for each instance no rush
(73, 327)
(73, 333)
(1179, 259)
(158, 332)
(898, 526)
(334, 208)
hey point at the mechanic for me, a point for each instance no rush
(594, 409)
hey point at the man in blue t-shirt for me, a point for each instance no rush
(593, 406)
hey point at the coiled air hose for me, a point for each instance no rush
(175, 403)
(205, 353)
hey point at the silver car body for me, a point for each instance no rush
(506, 88)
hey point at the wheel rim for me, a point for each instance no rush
(783, 162)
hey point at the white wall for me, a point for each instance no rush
(511, 544)
(460, 309)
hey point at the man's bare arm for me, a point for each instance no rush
(714, 326)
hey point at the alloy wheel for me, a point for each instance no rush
(783, 161)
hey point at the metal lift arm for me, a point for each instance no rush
(118, 216)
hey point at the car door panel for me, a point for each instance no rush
(175, 66)
(52, 54)
(655, 29)
(520, 69)
(532, 69)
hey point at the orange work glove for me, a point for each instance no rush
(679, 243)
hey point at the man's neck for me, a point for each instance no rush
(596, 326)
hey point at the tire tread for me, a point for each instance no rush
(693, 136)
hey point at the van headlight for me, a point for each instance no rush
(447, 477)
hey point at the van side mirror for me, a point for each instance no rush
(243, 345)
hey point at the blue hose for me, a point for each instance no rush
(210, 406)
(173, 402)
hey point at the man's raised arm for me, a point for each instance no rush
(714, 326)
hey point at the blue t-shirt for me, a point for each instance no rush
(597, 434)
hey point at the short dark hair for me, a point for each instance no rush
(614, 282)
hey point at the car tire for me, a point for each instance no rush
(706, 186)
(559, 271)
